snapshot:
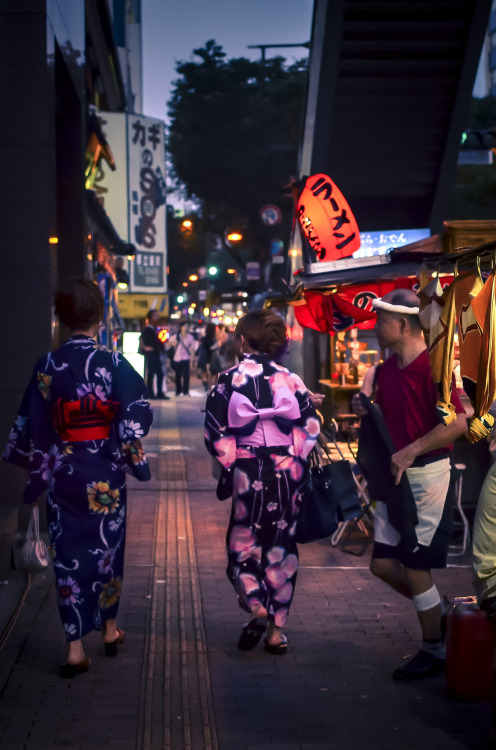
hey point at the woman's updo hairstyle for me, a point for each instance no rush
(79, 303)
(264, 331)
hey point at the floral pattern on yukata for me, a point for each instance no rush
(268, 483)
(85, 481)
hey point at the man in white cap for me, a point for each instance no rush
(406, 394)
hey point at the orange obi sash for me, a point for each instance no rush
(88, 418)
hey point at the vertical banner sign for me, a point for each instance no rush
(147, 210)
(134, 195)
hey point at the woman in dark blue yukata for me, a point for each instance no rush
(261, 424)
(77, 433)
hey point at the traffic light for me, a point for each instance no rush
(478, 140)
(122, 278)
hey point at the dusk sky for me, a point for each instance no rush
(171, 30)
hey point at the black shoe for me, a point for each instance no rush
(422, 665)
(163, 396)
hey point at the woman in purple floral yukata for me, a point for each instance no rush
(77, 433)
(260, 424)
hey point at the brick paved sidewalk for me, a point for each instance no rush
(181, 683)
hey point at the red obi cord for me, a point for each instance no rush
(89, 418)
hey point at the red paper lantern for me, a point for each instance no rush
(327, 220)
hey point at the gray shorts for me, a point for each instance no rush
(429, 485)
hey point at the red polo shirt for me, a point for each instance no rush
(408, 399)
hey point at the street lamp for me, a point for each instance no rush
(263, 47)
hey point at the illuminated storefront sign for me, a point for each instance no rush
(378, 243)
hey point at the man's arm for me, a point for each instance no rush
(439, 437)
(367, 388)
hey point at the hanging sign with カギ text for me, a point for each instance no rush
(134, 194)
(326, 219)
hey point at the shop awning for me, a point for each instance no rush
(359, 275)
(398, 263)
(341, 299)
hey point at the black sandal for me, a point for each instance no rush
(111, 648)
(251, 633)
(279, 648)
(68, 671)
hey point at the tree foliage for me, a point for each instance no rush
(234, 133)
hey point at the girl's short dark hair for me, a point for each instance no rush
(264, 331)
(79, 303)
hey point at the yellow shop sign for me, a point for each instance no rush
(137, 305)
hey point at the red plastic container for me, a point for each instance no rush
(470, 640)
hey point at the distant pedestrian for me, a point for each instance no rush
(184, 344)
(227, 346)
(204, 352)
(406, 394)
(77, 433)
(260, 425)
(153, 350)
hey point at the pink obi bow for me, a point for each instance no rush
(270, 426)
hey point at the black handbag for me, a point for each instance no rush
(30, 551)
(330, 496)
